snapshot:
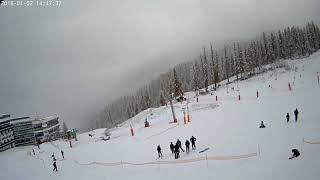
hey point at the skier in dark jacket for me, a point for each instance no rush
(262, 125)
(296, 112)
(295, 153)
(55, 166)
(159, 151)
(187, 145)
(176, 151)
(193, 142)
(179, 144)
(62, 153)
(172, 147)
(288, 117)
(53, 157)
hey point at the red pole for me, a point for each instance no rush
(289, 87)
(257, 93)
(216, 98)
(175, 120)
(131, 130)
(184, 118)
(189, 119)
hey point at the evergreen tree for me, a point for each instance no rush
(177, 85)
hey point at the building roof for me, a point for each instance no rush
(20, 120)
(46, 119)
(4, 117)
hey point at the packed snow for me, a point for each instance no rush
(239, 149)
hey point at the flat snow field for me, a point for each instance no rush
(239, 149)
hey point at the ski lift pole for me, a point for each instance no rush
(188, 116)
(172, 109)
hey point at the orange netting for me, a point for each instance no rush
(183, 161)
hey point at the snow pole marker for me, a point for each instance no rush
(239, 97)
(257, 93)
(318, 78)
(131, 130)
(216, 98)
(184, 117)
(289, 86)
(259, 150)
(70, 143)
(207, 160)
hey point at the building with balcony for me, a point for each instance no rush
(6, 133)
(46, 129)
(23, 131)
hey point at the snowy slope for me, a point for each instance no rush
(228, 126)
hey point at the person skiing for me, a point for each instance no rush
(288, 117)
(193, 142)
(62, 153)
(53, 157)
(187, 145)
(55, 166)
(295, 153)
(179, 144)
(33, 152)
(159, 151)
(176, 151)
(172, 147)
(262, 125)
(296, 112)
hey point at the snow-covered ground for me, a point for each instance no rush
(239, 149)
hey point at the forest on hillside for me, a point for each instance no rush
(240, 59)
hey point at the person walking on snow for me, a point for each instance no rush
(187, 145)
(179, 144)
(159, 151)
(172, 147)
(193, 142)
(55, 166)
(288, 117)
(296, 112)
(176, 151)
(62, 153)
(33, 152)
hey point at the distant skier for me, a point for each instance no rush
(288, 117)
(296, 112)
(179, 144)
(159, 151)
(62, 153)
(172, 147)
(187, 145)
(33, 152)
(176, 151)
(262, 125)
(55, 166)
(193, 142)
(295, 153)
(53, 157)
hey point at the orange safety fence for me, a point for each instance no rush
(183, 161)
(311, 142)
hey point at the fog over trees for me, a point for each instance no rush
(241, 59)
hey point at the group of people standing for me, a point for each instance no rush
(175, 149)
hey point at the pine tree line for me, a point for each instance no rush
(240, 60)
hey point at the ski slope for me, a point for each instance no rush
(239, 149)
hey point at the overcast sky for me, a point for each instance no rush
(72, 60)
